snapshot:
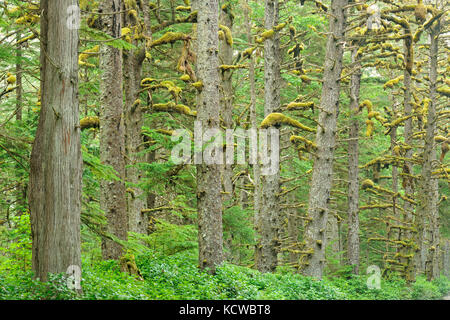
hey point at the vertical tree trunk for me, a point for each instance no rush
(408, 182)
(353, 169)
(55, 176)
(226, 90)
(132, 69)
(252, 111)
(313, 260)
(112, 144)
(269, 215)
(429, 195)
(209, 204)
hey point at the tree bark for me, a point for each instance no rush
(209, 200)
(132, 69)
(56, 165)
(269, 214)
(313, 260)
(112, 142)
(226, 93)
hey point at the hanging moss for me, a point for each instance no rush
(276, 119)
(370, 128)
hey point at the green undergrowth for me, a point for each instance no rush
(177, 277)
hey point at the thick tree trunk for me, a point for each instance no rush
(269, 215)
(353, 170)
(209, 200)
(56, 166)
(112, 142)
(313, 260)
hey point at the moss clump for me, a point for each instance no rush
(227, 34)
(89, 122)
(172, 107)
(147, 81)
(367, 104)
(300, 105)
(225, 67)
(183, 8)
(440, 139)
(277, 119)
(198, 85)
(82, 58)
(265, 35)
(247, 53)
(370, 128)
(309, 144)
(366, 184)
(391, 83)
(185, 77)
(169, 37)
(11, 79)
(445, 91)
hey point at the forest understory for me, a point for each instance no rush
(224, 149)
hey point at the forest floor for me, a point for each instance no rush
(178, 278)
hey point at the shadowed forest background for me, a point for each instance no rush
(92, 92)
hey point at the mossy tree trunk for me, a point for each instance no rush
(209, 199)
(429, 195)
(313, 260)
(268, 226)
(56, 167)
(112, 141)
(132, 69)
(408, 182)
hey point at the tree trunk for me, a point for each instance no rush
(56, 167)
(209, 200)
(112, 143)
(132, 69)
(313, 260)
(353, 170)
(429, 195)
(226, 92)
(269, 215)
(252, 111)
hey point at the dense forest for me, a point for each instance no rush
(224, 149)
